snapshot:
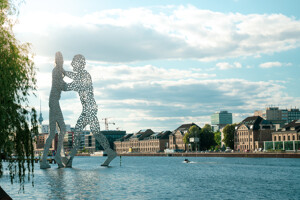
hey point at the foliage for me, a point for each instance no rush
(205, 135)
(217, 137)
(83, 150)
(18, 122)
(207, 140)
(193, 131)
(186, 138)
(228, 132)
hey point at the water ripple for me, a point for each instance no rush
(165, 178)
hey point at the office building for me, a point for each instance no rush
(279, 116)
(92, 145)
(221, 119)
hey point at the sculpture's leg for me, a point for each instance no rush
(81, 123)
(74, 149)
(60, 150)
(43, 163)
(95, 128)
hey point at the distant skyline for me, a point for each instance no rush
(159, 64)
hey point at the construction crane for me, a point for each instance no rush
(106, 123)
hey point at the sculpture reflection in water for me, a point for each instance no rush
(82, 83)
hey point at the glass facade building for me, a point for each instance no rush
(112, 135)
(221, 118)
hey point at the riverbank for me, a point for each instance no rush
(245, 155)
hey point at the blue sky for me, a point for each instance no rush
(158, 64)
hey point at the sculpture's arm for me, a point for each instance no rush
(71, 75)
(63, 85)
(70, 86)
(57, 80)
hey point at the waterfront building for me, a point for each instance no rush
(40, 143)
(123, 145)
(44, 134)
(176, 138)
(251, 133)
(144, 141)
(136, 138)
(287, 138)
(82, 138)
(156, 142)
(68, 141)
(92, 145)
(279, 116)
(132, 143)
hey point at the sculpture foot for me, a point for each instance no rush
(57, 159)
(65, 160)
(44, 165)
(69, 163)
(110, 156)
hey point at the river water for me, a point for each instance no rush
(165, 178)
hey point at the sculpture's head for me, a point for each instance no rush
(59, 60)
(78, 62)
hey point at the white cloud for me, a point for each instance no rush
(163, 98)
(175, 32)
(274, 64)
(143, 73)
(225, 65)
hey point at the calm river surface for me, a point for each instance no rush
(165, 178)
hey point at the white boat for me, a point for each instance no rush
(99, 153)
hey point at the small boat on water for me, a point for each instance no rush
(186, 161)
(99, 153)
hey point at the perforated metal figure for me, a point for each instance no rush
(55, 114)
(82, 83)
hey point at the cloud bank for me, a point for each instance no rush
(173, 32)
(118, 42)
(148, 96)
(274, 64)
